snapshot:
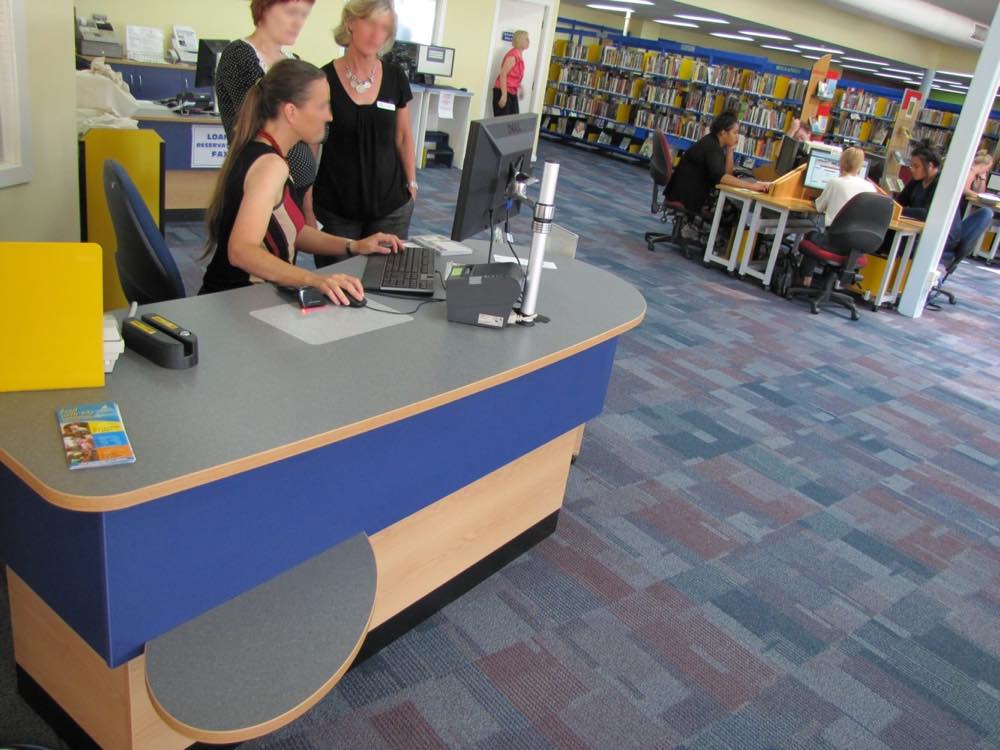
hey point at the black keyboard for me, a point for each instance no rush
(411, 272)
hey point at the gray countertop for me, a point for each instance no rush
(257, 388)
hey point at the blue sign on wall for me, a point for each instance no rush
(508, 36)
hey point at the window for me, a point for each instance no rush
(15, 132)
(416, 20)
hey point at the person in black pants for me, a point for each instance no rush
(367, 179)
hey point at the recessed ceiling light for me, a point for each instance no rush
(635, 2)
(952, 73)
(898, 77)
(831, 50)
(619, 8)
(686, 24)
(705, 19)
(813, 57)
(780, 48)
(904, 71)
(767, 35)
(865, 61)
(935, 87)
(737, 37)
(858, 67)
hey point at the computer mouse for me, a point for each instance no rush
(306, 296)
(354, 301)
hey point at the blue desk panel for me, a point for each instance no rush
(138, 572)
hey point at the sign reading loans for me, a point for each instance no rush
(208, 146)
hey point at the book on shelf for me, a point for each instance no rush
(646, 149)
(94, 435)
(625, 143)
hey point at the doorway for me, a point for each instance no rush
(531, 16)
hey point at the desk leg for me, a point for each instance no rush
(750, 239)
(996, 243)
(111, 705)
(579, 441)
(889, 263)
(897, 283)
(713, 233)
(772, 257)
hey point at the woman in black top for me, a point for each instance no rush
(244, 61)
(255, 226)
(708, 163)
(367, 173)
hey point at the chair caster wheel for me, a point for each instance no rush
(854, 315)
(874, 307)
(650, 247)
(815, 310)
(951, 302)
(706, 264)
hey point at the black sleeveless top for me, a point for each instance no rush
(360, 175)
(286, 222)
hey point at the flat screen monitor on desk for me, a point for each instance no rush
(209, 52)
(497, 149)
(435, 61)
(993, 184)
(823, 166)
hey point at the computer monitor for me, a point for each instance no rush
(787, 155)
(496, 150)
(209, 51)
(874, 167)
(435, 61)
(823, 166)
(993, 183)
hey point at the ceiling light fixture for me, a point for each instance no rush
(952, 73)
(814, 48)
(813, 57)
(865, 61)
(667, 22)
(618, 8)
(737, 37)
(767, 35)
(858, 67)
(780, 48)
(904, 71)
(705, 19)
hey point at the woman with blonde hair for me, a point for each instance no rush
(975, 181)
(508, 84)
(255, 226)
(367, 179)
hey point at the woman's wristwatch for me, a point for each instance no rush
(349, 248)
(412, 185)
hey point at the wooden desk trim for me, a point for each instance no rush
(126, 61)
(107, 503)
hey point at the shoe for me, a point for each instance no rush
(691, 233)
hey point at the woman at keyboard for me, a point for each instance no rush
(255, 227)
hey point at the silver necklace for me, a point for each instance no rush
(356, 83)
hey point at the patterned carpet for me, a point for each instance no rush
(782, 533)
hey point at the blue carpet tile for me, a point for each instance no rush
(782, 533)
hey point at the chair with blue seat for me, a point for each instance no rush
(146, 268)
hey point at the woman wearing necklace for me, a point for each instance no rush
(245, 61)
(255, 226)
(367, 173)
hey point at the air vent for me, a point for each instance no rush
(980, 32)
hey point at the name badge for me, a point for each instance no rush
(386, 105)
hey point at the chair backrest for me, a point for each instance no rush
(661, 163)
(861, 224)
(146, 268)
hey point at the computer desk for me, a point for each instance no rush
(443, 448)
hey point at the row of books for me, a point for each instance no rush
(577, 51)
(623, 57)
(939, 117)
(940, 138)
(584, 104)
(759, 147)
(712, 102)
(766, 117)
(779, 87)
(674, 123)
(667, 64)
(669, 95)
(863, 102)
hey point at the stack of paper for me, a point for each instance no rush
(113, 342)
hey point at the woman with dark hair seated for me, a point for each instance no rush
(708, 163)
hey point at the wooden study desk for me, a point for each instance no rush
(906, 231)
(442, 445)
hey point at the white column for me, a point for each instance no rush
(971, 121)
(925, 85)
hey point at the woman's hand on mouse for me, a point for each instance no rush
(337, 286)
(379, 243)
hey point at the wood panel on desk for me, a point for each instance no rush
(188, 189)
(111, 705)
(426, 550)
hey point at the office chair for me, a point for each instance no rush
(970, 234)
(858, 228)
(146, 268)
(661, 169)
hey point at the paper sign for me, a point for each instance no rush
(507, 36)
(446, 105)
(144, 43)
(208, 146)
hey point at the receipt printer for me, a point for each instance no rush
(483, 294)
(161, 341)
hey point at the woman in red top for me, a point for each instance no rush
(511, 73)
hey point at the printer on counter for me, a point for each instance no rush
(96, 38)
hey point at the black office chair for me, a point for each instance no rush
(661, 169)
(858, 228)
(146, 268)
(971, 231)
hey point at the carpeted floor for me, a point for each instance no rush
(782, 533)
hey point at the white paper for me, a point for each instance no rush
(208, 146)
(446, 105)
(144, 43)
(548, 264)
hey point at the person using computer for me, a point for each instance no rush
(975, 181)
(508, 83)
(838, 191)
(243, 62)
(367, 178)
(708, 163)
(255, 226)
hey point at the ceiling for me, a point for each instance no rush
(669, 9)
(978, 10)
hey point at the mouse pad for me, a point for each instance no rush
(321, 325)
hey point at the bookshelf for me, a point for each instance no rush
(610, 92)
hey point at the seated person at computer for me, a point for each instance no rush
(708, 163)
(838, 191)
(255, 226)
(975, 181)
